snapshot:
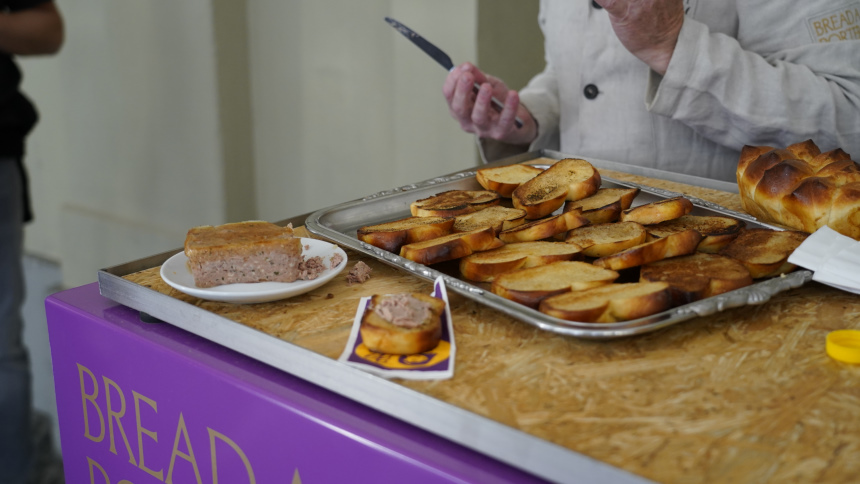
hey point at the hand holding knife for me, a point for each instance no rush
(441, 57)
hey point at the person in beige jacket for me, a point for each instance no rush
(677, 85)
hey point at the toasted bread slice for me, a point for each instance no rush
(610, 303)
(765, 252)
(506, 179)
(672, 245)
(391, 236)
(607, 239)
(454, 202)
(659, 211)
(485, 266)
(498, 217)
(402, 324)
(717, 231)
(697, 276)
(450, 247)
(604, 206)
(543, 228)
(531, 286)
(567, 179)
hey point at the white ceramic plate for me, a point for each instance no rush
(175, 273)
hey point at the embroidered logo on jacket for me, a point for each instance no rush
(839, 24)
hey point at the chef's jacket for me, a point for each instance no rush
(744, 72)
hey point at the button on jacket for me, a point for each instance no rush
(747, 72)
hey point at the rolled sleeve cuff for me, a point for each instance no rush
(663, 93)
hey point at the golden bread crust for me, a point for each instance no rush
(383, 336)
(506, 179)
(454, 202)
(610, 303)
(697, 276)
(800, 187)
(567, 179)
(530, 286)
(765, 252)
(391, 236)
(485, 266)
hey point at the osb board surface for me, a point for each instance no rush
(746, 395)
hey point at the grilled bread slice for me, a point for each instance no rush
(454, 202)
(485, 266)
(450, 247)
(498, 217)
(402, 324)
(506, 179)
(391, 236)
(607, 239)
(717, 231)
(610, 303)
(251, 251)
(567, 179)
(672, 245)
(543, 228)
(604, 206)
(697, 276)
(531, 286)
(765, 252)
(659, 211)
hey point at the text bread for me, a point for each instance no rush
(607, 239)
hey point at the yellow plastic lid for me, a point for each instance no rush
(844, 345)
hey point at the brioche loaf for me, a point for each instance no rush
(402, 324)
(252, 251)
(800, 187)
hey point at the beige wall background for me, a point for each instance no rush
(157, 118)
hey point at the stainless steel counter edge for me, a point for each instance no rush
(506, 444)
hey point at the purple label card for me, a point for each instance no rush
(435, 364)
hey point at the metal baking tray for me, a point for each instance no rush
(339, 224)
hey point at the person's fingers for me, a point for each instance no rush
(508, 114)
(461, 104)
(482, 112)
(450, 84)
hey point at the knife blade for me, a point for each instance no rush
(442, 58)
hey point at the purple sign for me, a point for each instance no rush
(145, 403)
